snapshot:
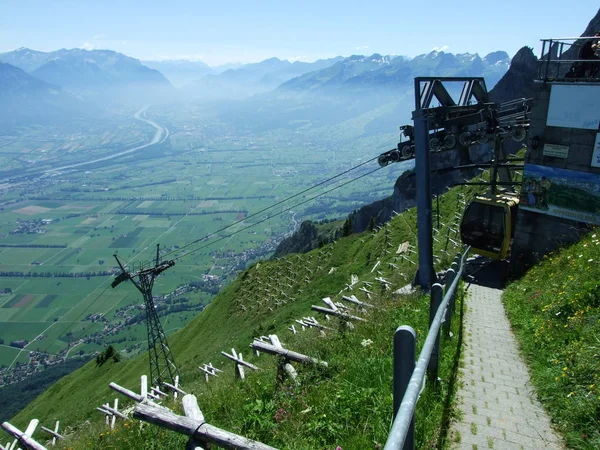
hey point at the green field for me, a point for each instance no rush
(206, 176)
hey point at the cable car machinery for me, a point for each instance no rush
(488, 221)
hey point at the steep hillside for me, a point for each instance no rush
(349, 405)
(555, 312)
(26, 98)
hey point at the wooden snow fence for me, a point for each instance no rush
(285, 357)
(334, 310)
(352, 299)
(202, 434)
(54, 433)
(240, 364)
(174, 387)
(24, 438)
(284, 365)
(111, 413)
(310, 322)
(139, 398)
(209, 370)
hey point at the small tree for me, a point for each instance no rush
(347, 228)
(372, 224)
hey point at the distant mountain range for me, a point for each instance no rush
(100, 75)
(104, 77)
(377, 71)
(254, 78)
(180, 72)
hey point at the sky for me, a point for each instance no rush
(228, 31)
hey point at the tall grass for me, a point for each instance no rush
(555, 312)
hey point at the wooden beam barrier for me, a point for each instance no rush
(197, 429)
(208, 371)
(285, 364)
(341, 306)
(116, 411)
(289, 354)
(24, 439)
(175, 387)
(352, 299)
(339, 314)
(157, 391)
(154, 396)
(384, 283)
(377, 264)
(112, 411)
(192, 411)
(126, 392)
(240, 363)
(329, 303)
(312, 322)
(55, 434)
(133, 396)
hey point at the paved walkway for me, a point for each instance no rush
(498, 405)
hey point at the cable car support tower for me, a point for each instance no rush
(162, 363)
(472, 119)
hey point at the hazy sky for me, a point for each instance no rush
(223, 31)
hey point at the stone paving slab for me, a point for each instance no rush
(498, 404)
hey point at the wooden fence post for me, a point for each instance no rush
(55, 434)
(24, 439)
(198, 430)
(174, 387)
(191, 410)
(208, 369)
(239, 363)
(289, 354)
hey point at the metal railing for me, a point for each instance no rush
(408, 377)
(559, 60)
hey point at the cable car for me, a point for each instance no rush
(488, 224)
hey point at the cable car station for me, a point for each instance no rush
(559, 195)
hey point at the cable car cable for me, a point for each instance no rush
(277, 214)
(321, 183)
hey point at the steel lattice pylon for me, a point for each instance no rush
(162, 363)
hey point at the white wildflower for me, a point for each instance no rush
(366, 342)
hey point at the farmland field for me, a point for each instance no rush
(59, 230)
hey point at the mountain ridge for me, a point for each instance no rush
(26, 97)
(96, 74)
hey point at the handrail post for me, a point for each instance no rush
(450, 275)
(403, 425)
(404, 364)
(437, 295)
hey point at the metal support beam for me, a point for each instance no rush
(425, 273)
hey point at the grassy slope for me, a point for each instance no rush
(349, 405)
(555, 312)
